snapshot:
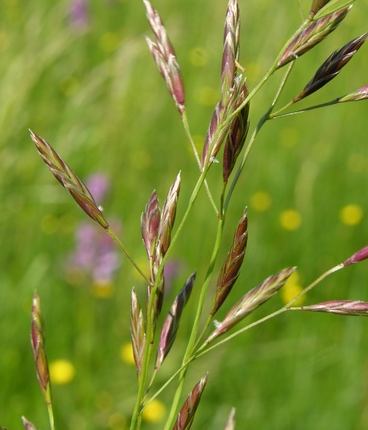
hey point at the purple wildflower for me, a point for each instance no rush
(98, 184)
(79, 14)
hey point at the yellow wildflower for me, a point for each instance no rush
(351, 214)
(290, 219)
(126, 353)
(102, 289)
(292, 289)
(260, 201)
(61, 371)
(154, 412)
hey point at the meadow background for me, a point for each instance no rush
(87, 83)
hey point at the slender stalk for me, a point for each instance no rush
(185, 122)
(279, 114)
(113, 236)
(50, 410)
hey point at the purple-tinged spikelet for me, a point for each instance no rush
(65, 176)
(230, 424)
(172, 321)
(230, 270)
(188, 410)
(137, 333)
(164, 56)
(238, 129)
(358, 95)
(27, 424)
(231, 46)
(359, 256)
(150, 222)
(332, 66)
(317, 5)
(251, 301)
(168, 217)
(339, 307)
(313, 34)
(38, 347)
(211, 133)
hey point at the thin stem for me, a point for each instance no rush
(113, 236)
(50, 410)
(195, 152)
(279, 114)
(203, 350)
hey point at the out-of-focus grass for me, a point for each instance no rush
(96, 96)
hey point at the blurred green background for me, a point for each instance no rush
(86, 82)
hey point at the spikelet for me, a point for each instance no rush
(251, 301)
(317, 5)
(164, 56)
(230, 424)
(172, 321)
(313, 34)
(239, 128)
(188, 410)
(358, 257)
(358, 95)
(332, 66)
(339, 307)
(137, 333)
(69, 180)
(230, 270)
(27, 424)
(38, 347)
(231, 46)
(209, 142)
(150, 223)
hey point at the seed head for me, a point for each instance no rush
(27, 424)
(150, 222)
(358, 95)
(65, 176)
(164, 56)
(172, 321)
(311, 35)
(359, 256)
(317, 5)
(251, 301)
(332, 66)
(230, 270)
(339, 307)
(188, 410)
(137, 333)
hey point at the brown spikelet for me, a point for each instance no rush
(137, 333)
(251, 301)
(339, 307)
(230, 424)
(239, 128)
(164, 56)
(168, 217)
(172, 321)
(211, 133)
(188, 410)
(27, 424)
(358, 257)
(332, 66)
(150, 222)
(317, 5)
(230, 270)
(38, 347)
(313, 34)
(231, 46)
(358, 95)
(69, 180)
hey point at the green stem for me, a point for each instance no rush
(50, 410)
(190, 138)
(279, 114)
(193, 335)
(113, 236)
